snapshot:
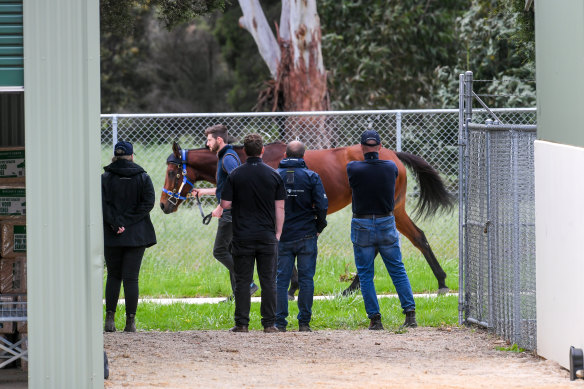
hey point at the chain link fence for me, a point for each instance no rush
(497, 221)
(184, 241)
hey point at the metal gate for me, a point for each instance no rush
(497, 219)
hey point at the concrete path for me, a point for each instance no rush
(214, 300)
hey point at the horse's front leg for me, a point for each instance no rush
(406, 226)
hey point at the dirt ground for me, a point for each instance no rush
(420, 358)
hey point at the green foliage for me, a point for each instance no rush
(488, 48)
(122, 52)
(175, 12)
(156, 70)
(117, 15)
(514, 348)
(241, 54)
(382, 54)
(379, 54)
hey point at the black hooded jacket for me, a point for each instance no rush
(127, 196)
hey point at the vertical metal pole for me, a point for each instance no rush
(461, 196)
(114, 130)
(398, 131)
(467, 116)
(468, 95)
(516, 231)
(490, 227)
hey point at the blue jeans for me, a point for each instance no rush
(369, 235)
(305, 252)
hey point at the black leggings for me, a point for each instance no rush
(123, 264)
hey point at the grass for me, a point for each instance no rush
(514, 348)
(338, 313)
(182, 265)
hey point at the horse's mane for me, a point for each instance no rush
(278, 142)
(239, 147)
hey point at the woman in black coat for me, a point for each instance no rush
(127, 198)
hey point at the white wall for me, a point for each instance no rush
(559, 213)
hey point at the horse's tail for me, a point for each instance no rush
(433, 192)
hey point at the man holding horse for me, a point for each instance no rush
(373, 229)
(228, 160)
(255, 193)
(305, 218)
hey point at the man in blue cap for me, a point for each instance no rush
(373, 228)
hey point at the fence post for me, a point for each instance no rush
(516, 231)
(114, 130)
(468, 95)
(461, 196)
(489, 226)
(398, 131)
(467, 118)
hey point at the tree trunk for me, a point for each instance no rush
(296, 65)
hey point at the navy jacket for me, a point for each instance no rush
(306, 203)
(127, 197)
(228, 161)
(373, 184)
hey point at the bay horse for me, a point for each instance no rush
(201, 165)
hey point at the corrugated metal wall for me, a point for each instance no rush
(11, 119)
(63, 167)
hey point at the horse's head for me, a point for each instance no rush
(179, 180)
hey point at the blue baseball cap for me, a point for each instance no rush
(123, 148)
(370, 138)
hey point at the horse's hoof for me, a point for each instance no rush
(443, 291)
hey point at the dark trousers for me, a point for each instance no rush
(123, 264)
(222, 246)
(245, 254)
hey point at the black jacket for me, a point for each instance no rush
(127, 197)
(306, 204)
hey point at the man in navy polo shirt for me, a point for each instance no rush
(255, 194)
(373, 228)
(306, 207)
(227, 161)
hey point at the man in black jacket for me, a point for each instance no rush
(255, 193)
(306, 207)
(127, 198)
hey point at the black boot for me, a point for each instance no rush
(110, 323)
(410, 320)
(130, 323)
(375, 323)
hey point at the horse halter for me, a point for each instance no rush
(173, 197)
(176, 195)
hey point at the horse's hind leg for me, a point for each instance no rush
(406, 226)
(355, 285)
(293, 284)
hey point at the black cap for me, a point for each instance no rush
(123, 148)
(370, 138)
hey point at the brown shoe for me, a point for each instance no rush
(375, 323)
(239, 329)
(271, 329)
